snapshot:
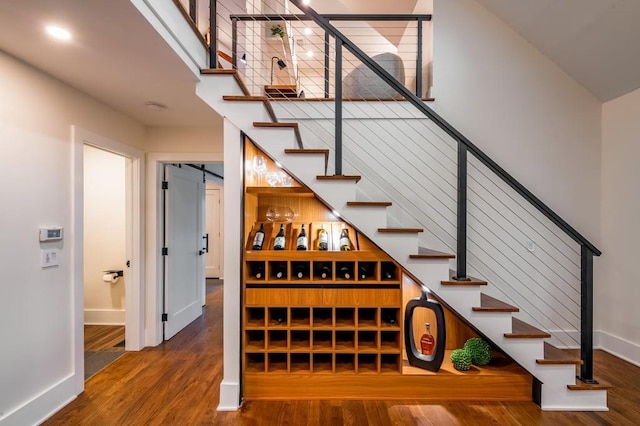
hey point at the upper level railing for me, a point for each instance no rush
(492, 211)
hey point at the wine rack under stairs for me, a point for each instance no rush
(321, 340)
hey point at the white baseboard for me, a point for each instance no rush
(104, 317)
(229, 396)
(617, 346)
(42, 406)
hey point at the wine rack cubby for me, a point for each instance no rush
(320, 340)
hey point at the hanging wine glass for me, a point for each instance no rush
(259, 166)
(289, 214)
(272, 214)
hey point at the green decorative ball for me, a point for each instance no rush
(479, 350)
(461, 360)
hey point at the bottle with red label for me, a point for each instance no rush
(427, 341)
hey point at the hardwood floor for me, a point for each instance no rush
(177, 383)
(103, 337)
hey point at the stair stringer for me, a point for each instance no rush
(555, 394)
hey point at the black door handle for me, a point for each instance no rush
(206, 246)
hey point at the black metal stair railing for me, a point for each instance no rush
(465, 146)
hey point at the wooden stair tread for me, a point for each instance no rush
(307, 151)
(252, 98)
(491, 304)
(581, 386)
(400, 230)
(369, 203)
(271, 124)
(471, 280)
(522, 330)
(226, 71)
(425, 253)
(283, 91)
(339, 177)
(553, 356)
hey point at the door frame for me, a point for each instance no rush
(134, 306)
(153, 255)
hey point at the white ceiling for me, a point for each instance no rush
(597, 42)
(118, 58)
(115, 56)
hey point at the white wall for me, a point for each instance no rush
(618, 282)
(104, 236)
(36, 114)
(186, 139)
(520, 108)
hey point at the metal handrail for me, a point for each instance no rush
(335, 17)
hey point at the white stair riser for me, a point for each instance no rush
(461, 299)
(304, 167)
(334, 193)
(244, 114)
(560, 374)
(561, 398)
(369, 219)
(398, 246)
(272, 140)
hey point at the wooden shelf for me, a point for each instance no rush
(299, 191)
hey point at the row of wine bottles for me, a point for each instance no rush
(302, 241)
(323, 270)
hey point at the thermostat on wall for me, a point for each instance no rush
(50, 234)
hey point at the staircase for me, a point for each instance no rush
(555, 383)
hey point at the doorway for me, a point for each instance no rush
(106, 184)
(123, 296)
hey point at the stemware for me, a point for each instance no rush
(259, 166)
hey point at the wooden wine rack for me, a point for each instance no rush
(339, 336)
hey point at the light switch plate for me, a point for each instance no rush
(49, 258)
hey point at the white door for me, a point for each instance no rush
(184, 259)
(213, 268)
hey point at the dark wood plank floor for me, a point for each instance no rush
(177, 383)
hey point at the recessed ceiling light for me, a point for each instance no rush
(309, 54)
(155, 106)
(58, 32)
(306, 1)
(308, 31)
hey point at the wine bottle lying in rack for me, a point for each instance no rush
(300, 270)
(344, 272)
(322, 270)
(257, 270)
(279, 270)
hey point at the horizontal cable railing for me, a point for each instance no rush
(439, 181)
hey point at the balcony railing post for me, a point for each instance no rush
(234, 43)
(586, 317)
(419, 61)
(338, 106)
(461, 254)
(326, 64)
(213, 34)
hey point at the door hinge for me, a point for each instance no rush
(165, 251)
(165, 184)
(128, 264)
(165, 317)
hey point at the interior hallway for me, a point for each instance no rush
(177, 383)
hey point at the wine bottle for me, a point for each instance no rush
(389, 317)
(300, 270)
(258, 239)
(280, 270)
(322, 270)
(365, 271)
(427, 341)
(344, 272)
(323, 239)
(279, 242)
(257, 270)
(345, 243)
(388, 271)
(302, 239)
